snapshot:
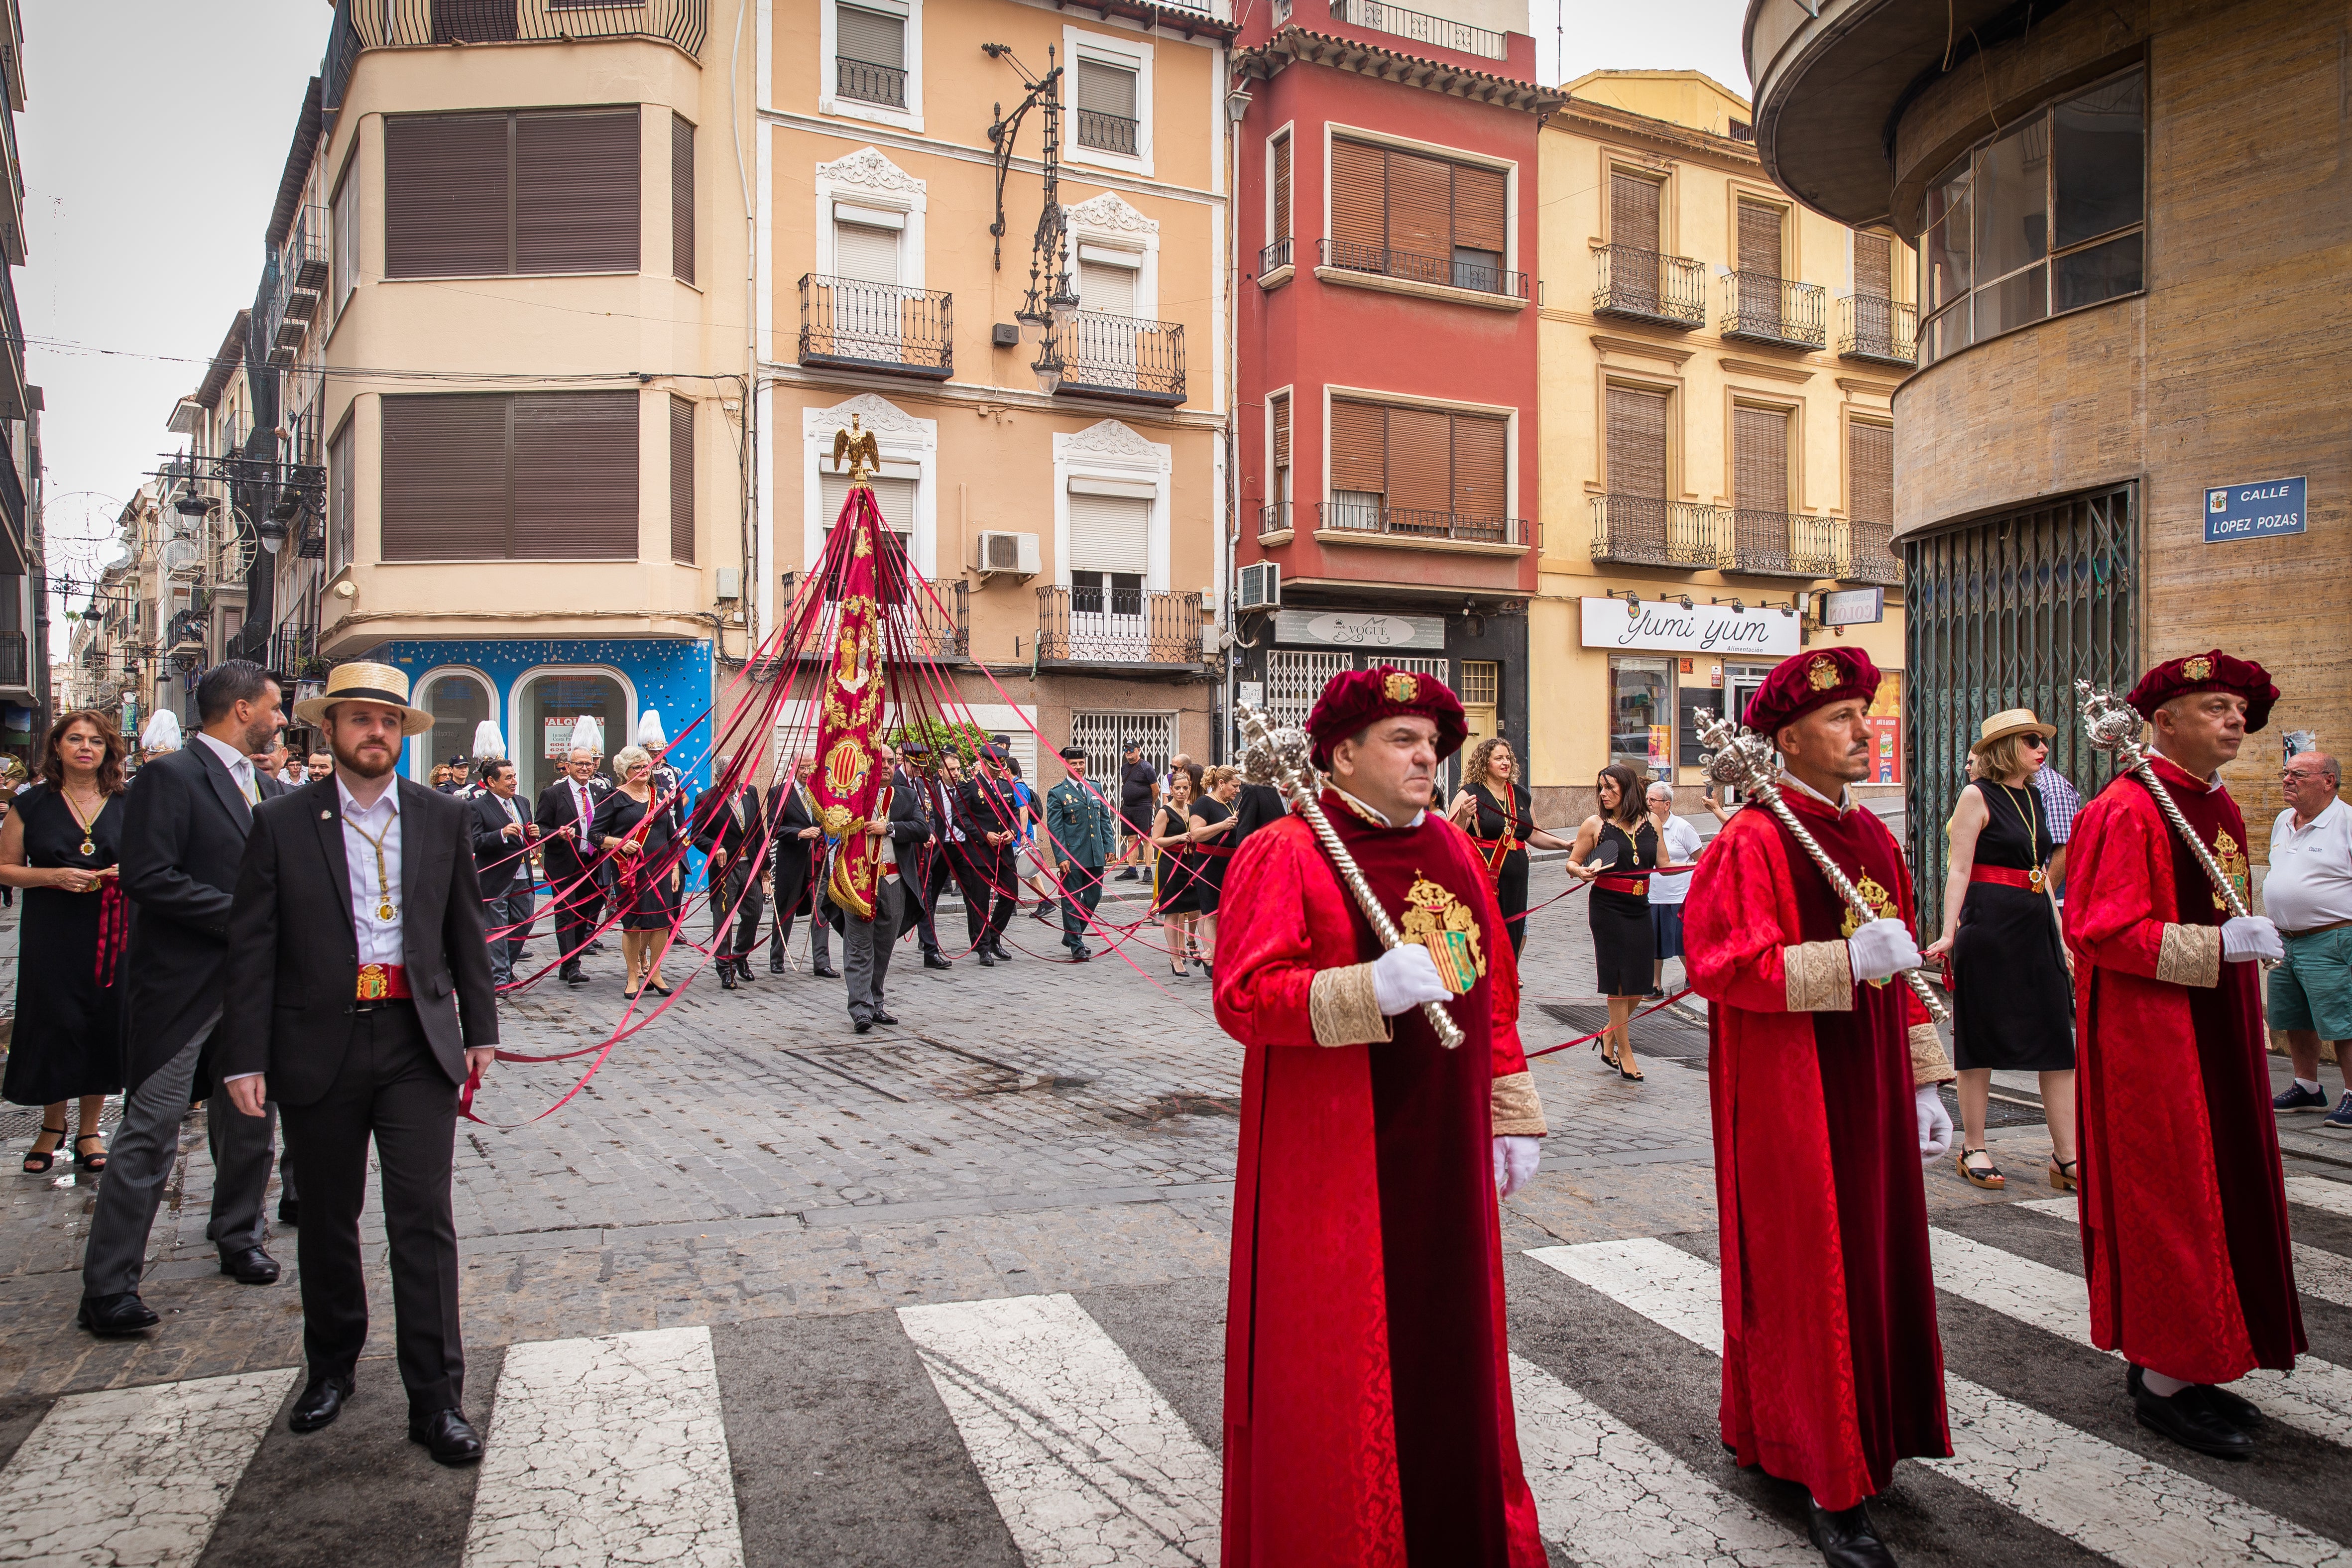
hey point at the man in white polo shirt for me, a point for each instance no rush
(2308, 896)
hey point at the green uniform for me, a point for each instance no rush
(1079, 824)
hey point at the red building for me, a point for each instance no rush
(1387, 349)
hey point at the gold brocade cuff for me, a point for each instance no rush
(2189, 955)
(1343, 1009)
(1928, 1062)
(1819, 976)
(1515, 1108)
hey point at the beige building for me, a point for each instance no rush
(1718, 365)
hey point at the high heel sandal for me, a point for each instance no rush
(1989, 1178)
(1635, 1077)
(40, 1162)
(91, 1162)
(2062, 1175)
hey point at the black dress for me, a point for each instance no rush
(647, 876)
(1180, 891)
(1509, 870)
(1622, 939)
(2013, 1003)
(66, 1043)
(1209, 878)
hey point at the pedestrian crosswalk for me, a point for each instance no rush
(1078, 1429)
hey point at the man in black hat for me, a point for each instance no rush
(990, 816)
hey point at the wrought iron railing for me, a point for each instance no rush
(187, 629)
(870, 83)
(1446, 271)
(1121, 357)
(1109, 133)
(1884, 331)
(1376, 16)
(1414, 523)
(1870, 554)
(293, 647)
(1765, 309)
(1782, 544)
(935, 624)
(1273, 257)
(1646, 531)
(848, 323)
(304, 264)
(1649, 286)
(1273, 519)
(1135, 627)
(386, 24)
(15, 658)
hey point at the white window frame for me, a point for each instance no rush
(1127, 52)
(910, 450)
(613, 741)
(1113, 451)
(1108, 222)
(420, 747)
(1335, 130)
(866, 178)
(828, 76)
(1511, 414)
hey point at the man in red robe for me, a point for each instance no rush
(1822, 1076)
(1368, 1394)
(2184, 1210)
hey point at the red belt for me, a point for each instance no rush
(2005, 876)
(1636, 884)
(383, 982)
(1216, 851)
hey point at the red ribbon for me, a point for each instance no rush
(1587, 1039)
(113, 928)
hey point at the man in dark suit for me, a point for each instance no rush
(364, 1004)
(502, 837)
(898, 826)
(727, 830)
(991, 819)
(798, 858)
(565, 808)
(944, 859)
(183, 831)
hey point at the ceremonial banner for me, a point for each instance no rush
(850, 700)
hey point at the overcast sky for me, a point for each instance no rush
(1623, 34)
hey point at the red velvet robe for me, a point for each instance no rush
(1831, 1367)
(1367, 1397)
(2184, 1210)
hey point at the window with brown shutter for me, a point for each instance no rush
(1281, 190)
(1479, 205)
(1634, 211)
(1279, 491)
(1359, 446)
(1760, 249)
(540, 476)
(444, 195)
(1873, 267)
(1393, 458)
(1870, 472)
(1359, 195)
(1759, 459)
(1482, 471)
(1636, 453)
(1421, 459)
(681, 479)
(1420, 217)
(681, 199)
(474, 195)
(1281, 433)
(1410, 214)
(575, 191)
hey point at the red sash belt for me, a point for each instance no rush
(2004, 877)
(383, 982)
(1637, 886)
(1217, 851)
(1495, 851)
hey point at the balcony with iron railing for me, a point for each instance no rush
(868, 82)
(1274, 519)
(1345, 256)
(935, 625)
(15, 396)
(1782, 544)
(1138, 631)
(1275, 257)
(1870, 554)
(1759, 307)
(1648, 286)
(15, 648)
(293, 649)
(1375, 16)
(1644, 531)
(848, 324)
(1375, 518)
(362, 25)
(1105, 132)
(1120, 357)
(1881, 332)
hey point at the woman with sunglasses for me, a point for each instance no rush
(2013, 999)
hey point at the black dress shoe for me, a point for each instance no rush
(570, 974)
(863, 1025)
(447, 1436)
(825, 972)
(727, 977)
(935, 959)
(1081, 954)
(743, 969)
(775, 966)
(987, 957)
(2190, 1421)
(289, 1211)
(249, 1266)
(997, 947)
(882, 1017)
(1846, 1538)
(123, 1313)
(322, 1400)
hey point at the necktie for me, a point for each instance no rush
(249, 786)
(580, 791)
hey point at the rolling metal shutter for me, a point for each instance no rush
(1110, 533)
(575, 476)
(1281, 411)
(1873, 267)
(865, 253)
(1759, 459)
(446, 493)
(1634, 211)
(1760, 239)
(1106, 88)
(893, 498)
(1359, 195)
(475, 195)
(1281, 190)
(1106, 289)
(870, 37)
(1870, 473)
(1479, 205)
(1421, 459)
(1359, 447)
(444, 195)
(1420, 204)
(576, 181)
(1482, 472)
(1636, 459)
(681, 199)
(681, 478)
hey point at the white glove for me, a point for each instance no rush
(2251, 937)
(1515, 1162)
(1880, 949)
(1404, 977)
(1935, 1124)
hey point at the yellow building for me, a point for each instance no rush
(1069, 497)
(1717, 367)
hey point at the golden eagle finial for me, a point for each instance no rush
(859, 447)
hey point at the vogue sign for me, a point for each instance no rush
(1702, 629)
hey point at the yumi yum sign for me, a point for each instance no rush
(1702, 629)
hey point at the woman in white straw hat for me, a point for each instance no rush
(2013, 1001)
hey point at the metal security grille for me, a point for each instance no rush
(1293, 680)
(2009, 612)
(1107, 737)
(1435, 668)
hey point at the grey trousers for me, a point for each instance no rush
(138, 1162)
(866, 949)
(509, 912)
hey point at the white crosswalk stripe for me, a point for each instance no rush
(2316, 1397)
(607, 1451)
(2316, 1272)
(2319, 1192)
(134, 1475)
(1086, 1461)
(1615, 1500)
(2107, 1498)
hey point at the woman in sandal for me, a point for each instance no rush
(1626, 842)
(2013, 999)
(59, 844)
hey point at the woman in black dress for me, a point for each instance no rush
(1210, 825)
(2012, 995)
(1614, 851)
(58, 845)
(1499, 814)
(627, 825)
(1178, 894)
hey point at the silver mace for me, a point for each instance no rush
(1281, 758)
(2112, 726)
(1743, 757)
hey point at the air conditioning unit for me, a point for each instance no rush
(1258, 586)
(1013, 552)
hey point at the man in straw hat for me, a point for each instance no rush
(2183, 1210)
(364, 1007)
(1822, 1087)
(1368, 1385)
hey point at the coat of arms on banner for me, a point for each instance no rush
(1443, 924)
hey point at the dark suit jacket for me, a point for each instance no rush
(497, 860)
(296, 958)
(558, 815)
(716, 829)
(910, 827)
(1258, 805)
(183, 827)
(987, 805)
(794, 858)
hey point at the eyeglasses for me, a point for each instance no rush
(2039, 742)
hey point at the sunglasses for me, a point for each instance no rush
(2039, 742)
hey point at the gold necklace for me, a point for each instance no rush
(2032, 837)
(383, 909)
(89, 847)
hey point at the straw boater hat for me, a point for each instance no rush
(365, 683)
(2010, 721)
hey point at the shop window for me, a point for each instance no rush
(1641, 709)
(551, 705)
(457, 703)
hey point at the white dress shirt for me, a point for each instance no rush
(239, 765)
(379, 938)
(586, 804)
(1680, 843)
(2310, 880)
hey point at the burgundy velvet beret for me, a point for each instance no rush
(1360, 696)
(1814, 678)
(2211, 670)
